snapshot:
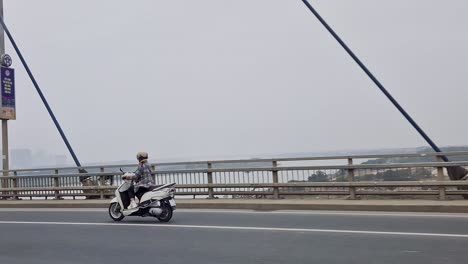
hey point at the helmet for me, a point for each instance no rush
(142, 155)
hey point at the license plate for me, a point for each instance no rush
(172, 202)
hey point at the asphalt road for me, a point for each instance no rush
(206, 236)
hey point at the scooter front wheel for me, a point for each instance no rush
(115, 212)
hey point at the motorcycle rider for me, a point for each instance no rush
(143, 179)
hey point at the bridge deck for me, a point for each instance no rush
(194, 236)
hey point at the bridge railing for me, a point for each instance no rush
(253, 178)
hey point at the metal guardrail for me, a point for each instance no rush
(266, 178)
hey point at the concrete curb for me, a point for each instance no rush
(271, 205)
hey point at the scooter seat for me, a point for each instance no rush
(152, 187)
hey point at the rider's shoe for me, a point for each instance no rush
(132, 205)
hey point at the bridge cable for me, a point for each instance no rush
(382, 88)
(38, 89)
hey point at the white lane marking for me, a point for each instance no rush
(53, 210)
(221, 211)
(303, 230)
(347, 213)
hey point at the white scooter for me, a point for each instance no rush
(157, 202)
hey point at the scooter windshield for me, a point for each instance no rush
(124, 187)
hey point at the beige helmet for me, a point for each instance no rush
(142, 155)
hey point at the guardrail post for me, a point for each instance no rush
(5, 184)
(440, 177)
(210, 181)
(15, 185)
(56, 185)
(275, 180)
(350, 176)
(102, 182)
(153, 169)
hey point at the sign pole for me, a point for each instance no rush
(5, 158)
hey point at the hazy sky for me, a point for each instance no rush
(211, 78)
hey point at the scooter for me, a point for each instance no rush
(157, 202)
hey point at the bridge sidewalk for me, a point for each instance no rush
(451, 206)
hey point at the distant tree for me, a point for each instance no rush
(319, 176)
(394, 175)
(421, 159)
(399, 175)
(422, 174)
(368, 177)
(340, 176)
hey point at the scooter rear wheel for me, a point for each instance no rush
(166, 215)
(115, 212)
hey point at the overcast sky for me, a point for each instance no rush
(210, 78)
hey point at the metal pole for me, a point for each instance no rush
(5, 158)
(275, 180)
(350, 176)
(210, 181)
(440, 177)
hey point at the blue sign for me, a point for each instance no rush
(7, 89)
